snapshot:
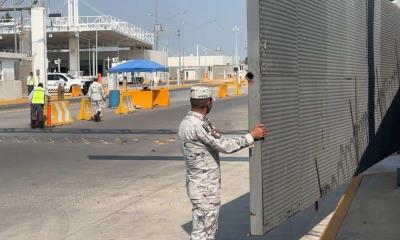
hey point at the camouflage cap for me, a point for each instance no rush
(200, 93)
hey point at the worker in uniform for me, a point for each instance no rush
(97, 97)
(201, 143)
(31, 82)
(60, 89)
(38, 99)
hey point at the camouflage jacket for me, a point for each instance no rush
(201, 143)
(96, 92)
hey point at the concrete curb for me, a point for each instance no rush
(341, 210)
(25, 104)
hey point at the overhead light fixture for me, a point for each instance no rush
(50, 35)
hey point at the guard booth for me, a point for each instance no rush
(145, 97)
(326, 81)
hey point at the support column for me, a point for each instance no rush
(25, 42)
(74, 64)
(39, 44)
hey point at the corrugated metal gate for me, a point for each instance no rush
(326, 74)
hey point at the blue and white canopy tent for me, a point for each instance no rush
(139, 66)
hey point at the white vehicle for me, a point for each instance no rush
(54, 78)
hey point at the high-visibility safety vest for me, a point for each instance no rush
(38, 96)
(31, 81)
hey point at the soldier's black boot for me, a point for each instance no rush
(33, 124)
(41, 124)
(98, 116)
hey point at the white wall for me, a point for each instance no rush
(193, 61)
(156, 56)
(9, 87)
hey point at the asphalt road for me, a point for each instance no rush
(123, 178)
(117, 179)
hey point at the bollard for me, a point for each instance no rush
(223, 91)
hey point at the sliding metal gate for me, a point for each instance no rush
(325, 81)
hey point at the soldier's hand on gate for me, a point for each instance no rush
(258, 132)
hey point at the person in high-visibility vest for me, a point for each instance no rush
(38, 99)
(31, 82)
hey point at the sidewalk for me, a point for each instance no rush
(375, 210)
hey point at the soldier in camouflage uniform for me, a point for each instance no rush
(201, 143)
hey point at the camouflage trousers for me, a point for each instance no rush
(96, 106)
(205, 220)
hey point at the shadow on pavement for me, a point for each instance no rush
(156, 158)
(234, 222)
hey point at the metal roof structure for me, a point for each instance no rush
(111, 32)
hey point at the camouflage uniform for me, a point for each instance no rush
(97, 97)
(201, 144)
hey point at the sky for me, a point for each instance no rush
(205, 22)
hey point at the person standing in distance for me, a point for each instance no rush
(61, 89)
(31, 82)
(201, 144)
(97, 97)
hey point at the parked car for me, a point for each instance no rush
(54, 78)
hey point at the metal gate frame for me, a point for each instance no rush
(253, 43)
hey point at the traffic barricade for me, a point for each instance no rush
(161, 97)
(222, 91)
(76, 91)
(234, 89)
(125, 105)
(59, 114)
(143, 98)
(85, 113)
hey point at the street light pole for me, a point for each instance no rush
(96, 61)
(157, 27)
(90, 70)
(178, 79)
(236, 31)
(198, 61)
(15, 29)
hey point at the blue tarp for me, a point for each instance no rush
(139, 65)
